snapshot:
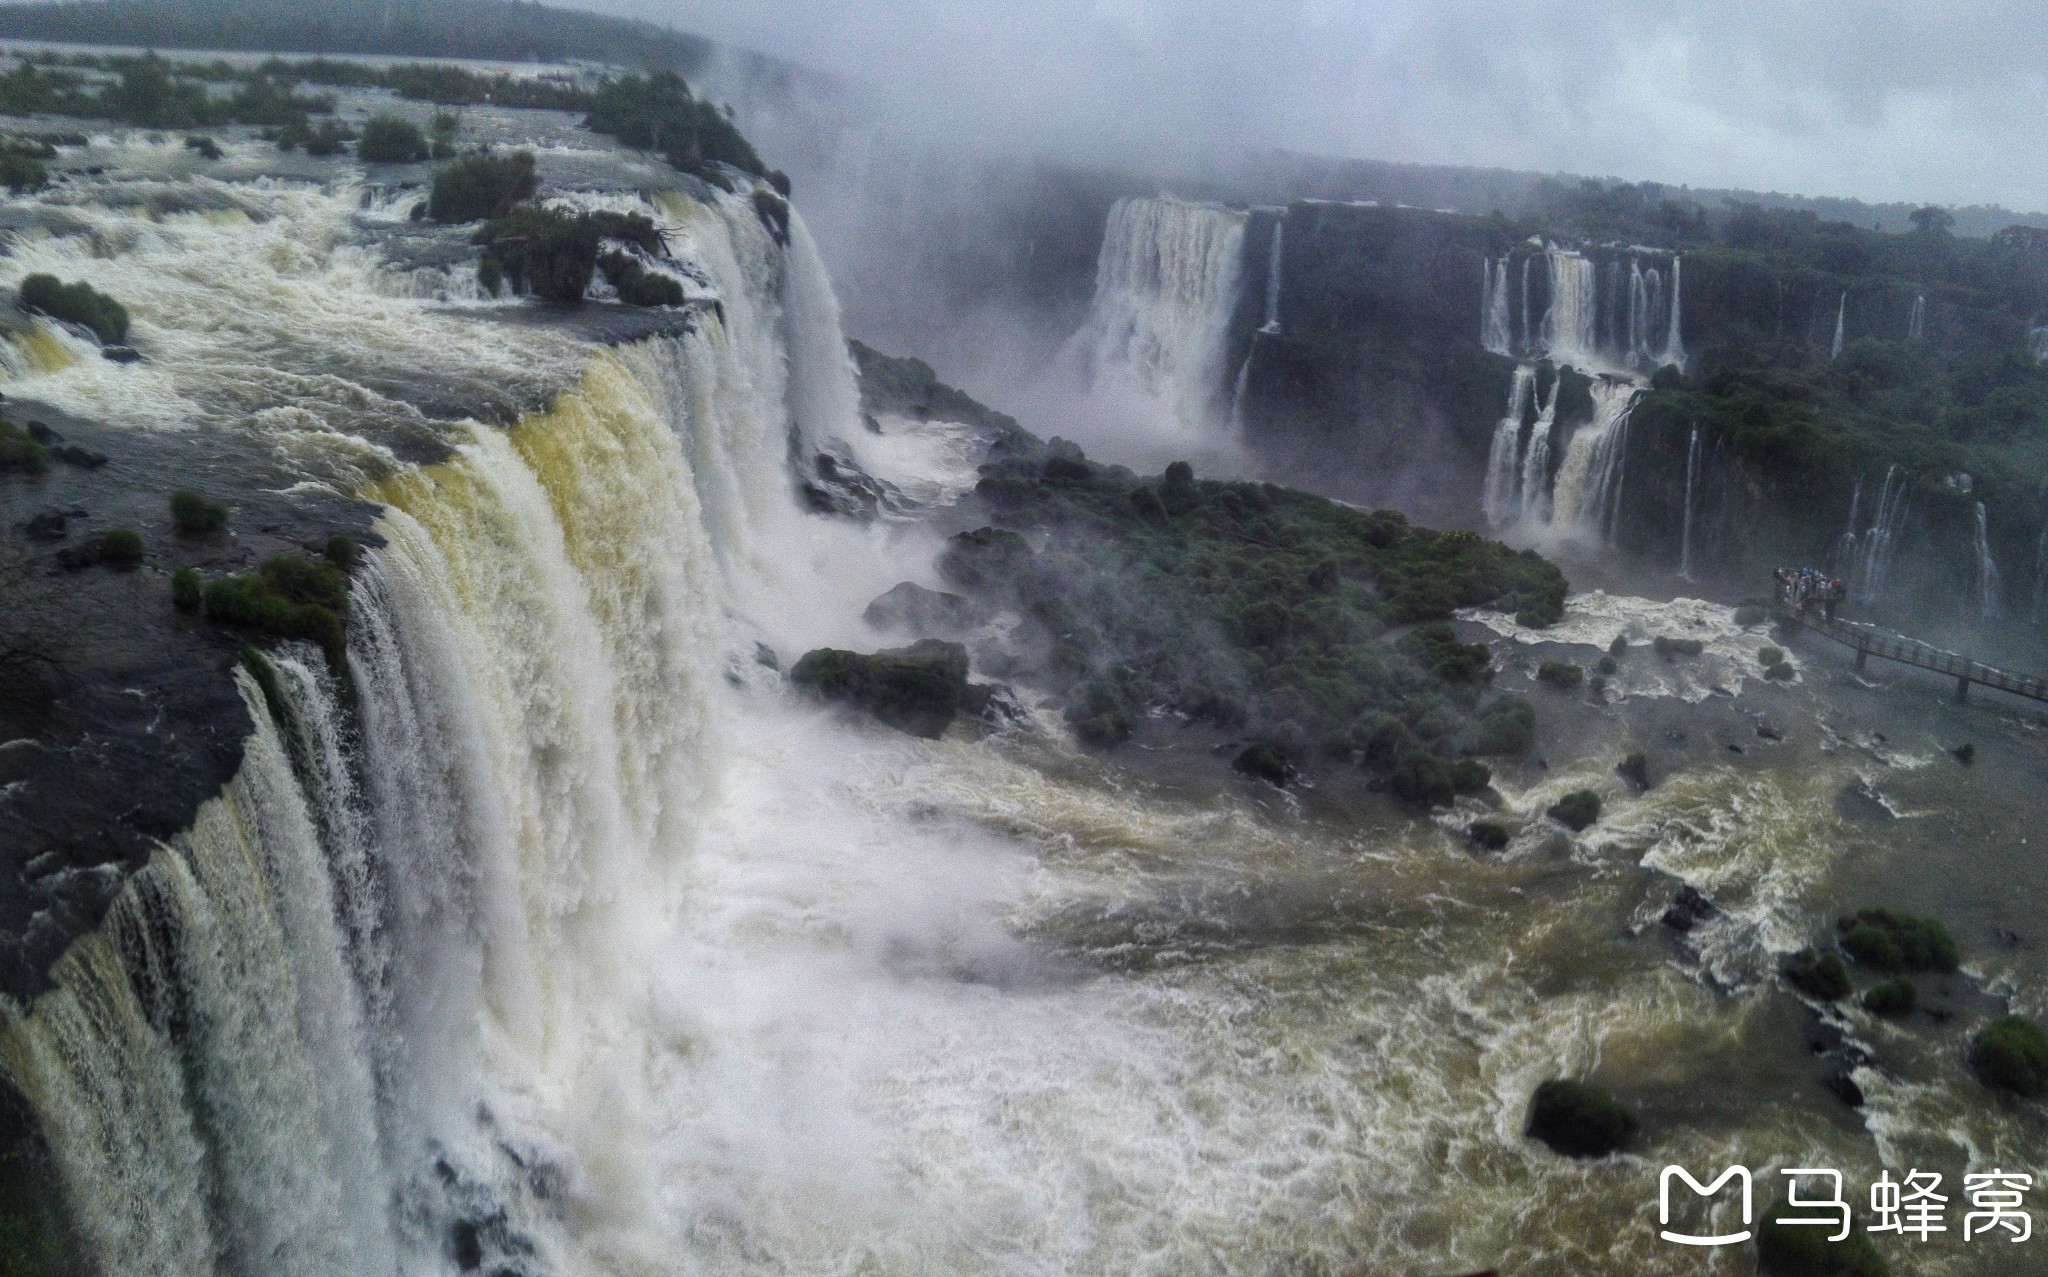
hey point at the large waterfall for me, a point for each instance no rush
(1571, 332)
(1276, 258)
(1587, 493)
(1692, 475)
(1504, 458)
(1495, 328)
(1591, 325)
(1150, 356)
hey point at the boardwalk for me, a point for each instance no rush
(1870, 641)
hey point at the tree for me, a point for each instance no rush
(1932, 220)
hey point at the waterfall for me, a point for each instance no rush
(1152, 349)
(1587, 497)
(1638, 313)
(2039, 611)
(1674, 335)
(1536, 460)
(1880, 540)
(1692, 470)
(1844, 560)
(1503, 461)
(1528, 335)
(1841, 313)
(1571, 333)
(1916, 322)
(1274, 259)
(1493, 321)
(1989, 604)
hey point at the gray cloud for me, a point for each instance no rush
(1882, 101)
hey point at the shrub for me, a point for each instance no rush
(1262, 762)
(1803, 1250)
(206, 147)
(1966, 753)
(21, 453)
(1619, 646)
(341, 551)
(1895, 996)
(553, 253)
(1667, 646)
(188, 589)
(1822, 975)
(639, 286)
(1469, 776)
(1751, 614)
(121, 547)
(1437, 649)
(1635, 769)
(2012, 1055)
(1420, 777)
(1490, 834)
(1768, 656)
(1579, 1119)
(1782, 672)
(1560, 674)
(21, 169)
(194, 514)
(387, 139)
(490, 276)
(78, 303)
(481, 186)
(1608, 667)
(1893, 942)
(1576, 810)
(1504, 727)
(657, 112)
(288, 596)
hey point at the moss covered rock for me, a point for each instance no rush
(1895, 996)
(1803, 1250)
(1577, 810)
(917, 689)
(1891, 942)
(1579, 1119)
(2012, 1055)
(1821, 975)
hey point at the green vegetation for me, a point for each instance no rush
(658, 113)
(121, 547)
(1560, 674)
(1896, 996)
(21, 164)
(1822, 975)
(1489, 834)
(1803, 1250)
(342, 552)
(386, 139)
(917, 689)
(188, 590)
(1635, 769)
(1751, 614)
(1607, 667)
(481, 186)
(1667, 647)
(1781, 672)
(1619, 647)
(2012, 1055)
(1576, 811)
(1966, 753)
(1893, 942)
(19, 453)
(206, 147)
(1579, 1119)
(194, 514)
(552, 253)
(289, 596)
(1249, 606)
(78, 303)
(1768, 656)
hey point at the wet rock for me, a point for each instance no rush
(1818, 975)
(1578, 1119)
(1844, 1088)
(121, 354)
(840, 487)
(42, 434)
(1689, 908)
(916, 610)
(765, 656)
(1262, 762)
(994, 704)
(47, 525)
(465, 1246)
(1768, 732)
(83, 458)
(917, 689)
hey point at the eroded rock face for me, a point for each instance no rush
(917, 689)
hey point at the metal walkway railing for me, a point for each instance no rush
(1870, 641)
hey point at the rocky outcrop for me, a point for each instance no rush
(918, 689)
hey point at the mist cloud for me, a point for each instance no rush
(1883, 101)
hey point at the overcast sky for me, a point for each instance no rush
(1923, 102)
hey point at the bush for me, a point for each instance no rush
(1505, 726)
(1782, 672)
(1768, 656)
(481, 186)
(342, 552)
(490, 276)
(78, 303)
(657, 112)
(1469, 776)
(20, 453)
(22, 169)
(1821, 975)
(1579, 1119)
(387, 139)
(638, 286)
(1608, 667)
(1635, 769)
(206, 147)
(553, 253)
(1895, 996)
(1490, 834)
(121, 547)
(1667, 646)
(194, 514)
(1751, 614)
(1619, 647)
(1803, 1250)
(1894, 942)
(1560, 674)
(1262, 762)
(1420, 777)
(1966, 753)
(288, 596)
(1576, 810)
(188, 589)
(2012, 1055)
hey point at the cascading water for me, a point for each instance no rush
(1528, 333)
(1844, 562)
(1152, 349)
(1841, 315)
(1692, 472)
(1494, 334)
(1536, 501)
(1880, 541)
(1916, 322)
(1638, 312)
(1587, 495)
(1503, 461)
(1275, 257)
(1571, 333)
(1674, 331)
(1990, 605)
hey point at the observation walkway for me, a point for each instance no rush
(1869, 641)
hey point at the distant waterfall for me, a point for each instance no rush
(1841, 313)
(1990, 606)
(2039, 611)
(1503, 460)
(1674, 334)
(1165, 287)
(1536, 460)
(1880, 541)
(1571, 332)
(1844, 560)
(1494, 323)
(1529, 335)
(1274, 258)
(1587, 495)
(1916, 322)
(1638, 312)
(1692, 473)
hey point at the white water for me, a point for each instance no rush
(1494, 324)
(1880, 542)
(1916, 322)
(1571, 333)
(1841, 314)
(1990, 604)
(1528, 334)
(1587, 492)
(1150, 356)
(1844, 562)
(1674, 328)
(1536, 477)
(1503, 461)
(1692, 472)
(1275, 256)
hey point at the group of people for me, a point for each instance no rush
(1798, 587)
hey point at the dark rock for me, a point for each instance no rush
(1844, 1088)
(984, 558)
(83, 458)
(465, 1246)
(917, 689)
(1819, 975)
(840, 487)
(1688, 909)
(1578, 1119)
(993, 704)
(1768, 732)
(916, 610)
(42, 434)
(1263, 762)
(46, 526)
(765, 655)
(122, 354)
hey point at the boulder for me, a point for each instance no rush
(916, 610)
(1819, 975)
(1688, 909)
(1578, 1119)
(918, 689)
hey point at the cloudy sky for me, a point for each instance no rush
(1935, 102)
